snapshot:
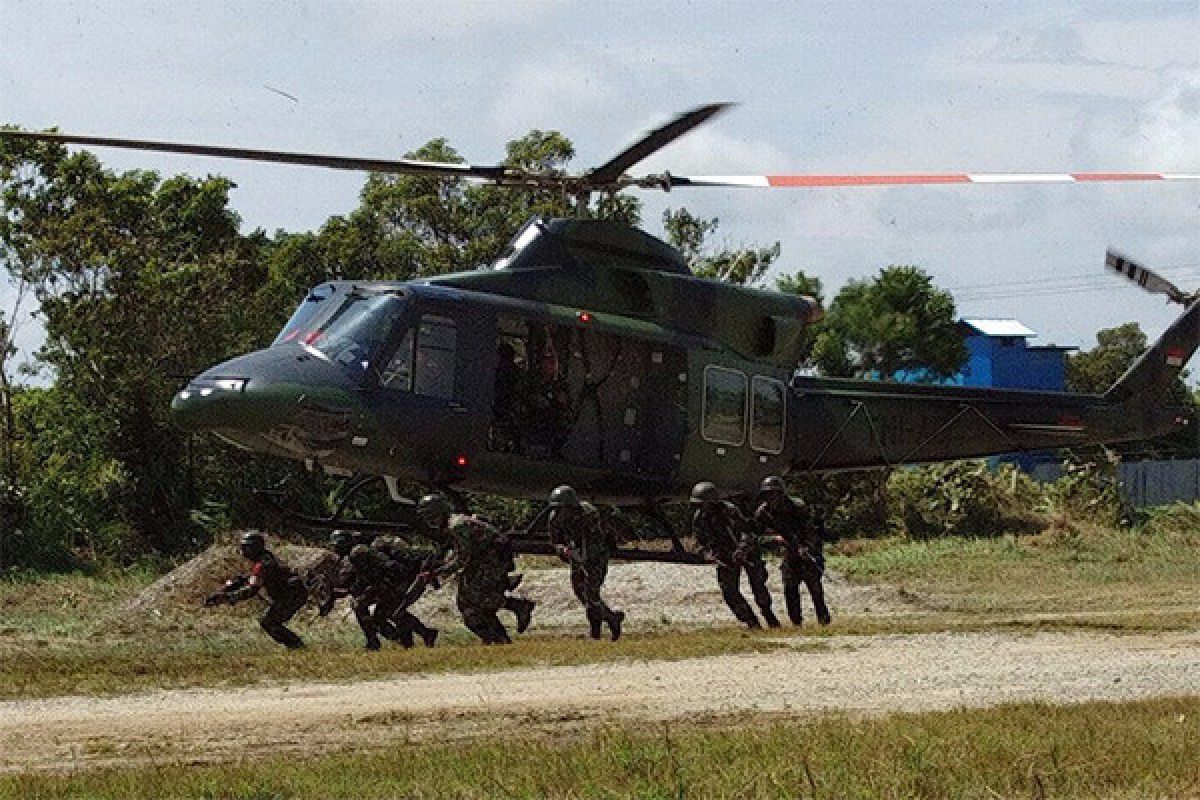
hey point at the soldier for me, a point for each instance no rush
(410, 572)
(482, 558)
(801, 531)
(583, 540)
(285, 590)
(728, 540)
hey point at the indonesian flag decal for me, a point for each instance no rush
(1174, 356)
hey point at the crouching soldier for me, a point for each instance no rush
(729, 540)
(481, 556)
(584, 541)
(802, 532)
(284, 589)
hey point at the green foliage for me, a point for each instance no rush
(1097, 369)
(1089, 491)
(739, 266)
(960, 498)
(897, 321)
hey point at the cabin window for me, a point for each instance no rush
(724, 406)
(768, 405)
(436, 341)
(424, 362)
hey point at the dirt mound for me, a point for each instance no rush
(188, 584)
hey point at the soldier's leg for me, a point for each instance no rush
(812, 574)
(729, 578)
(405, 619)
(756, 573)
(366, 621)
(597, 572)
(522, 608)
(791, 589)
(274, 621)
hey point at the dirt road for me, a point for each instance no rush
(861, 674)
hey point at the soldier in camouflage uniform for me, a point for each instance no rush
(482, 557)
(802, 532)
(411, 571)
(729, 540)
(583, 540)
(284, 589)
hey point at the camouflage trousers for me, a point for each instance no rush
(586, 582)
(382, 613)
(808, 569)
(280, 611)
(729, 578)
(479, 598)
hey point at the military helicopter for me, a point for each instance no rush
(589, 354)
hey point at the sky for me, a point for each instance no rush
(841, 87)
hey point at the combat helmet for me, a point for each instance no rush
(564, 497)
(433, 506)
(704, 492)
(341, 540)
(360, 555)
(772, 483)
(252, 543)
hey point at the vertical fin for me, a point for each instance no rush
(1151, 376)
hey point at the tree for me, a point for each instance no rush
(897, 321)
(691, 236)
(1094, 371)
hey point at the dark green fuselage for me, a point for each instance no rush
(590, 355)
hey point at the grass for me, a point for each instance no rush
(68, 634)
(1146, 572)
(1140, 749)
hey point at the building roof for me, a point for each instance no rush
(998, 327)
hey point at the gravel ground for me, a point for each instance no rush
(864, 674)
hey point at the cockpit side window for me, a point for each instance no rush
(424, 362)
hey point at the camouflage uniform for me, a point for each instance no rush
(585, 542)
(726, 537)
(482, 557)
(285, 591)
(802, 532)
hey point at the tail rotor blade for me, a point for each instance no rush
(1145, 277)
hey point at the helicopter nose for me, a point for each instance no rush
(251, 396)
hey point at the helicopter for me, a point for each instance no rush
(589, 354)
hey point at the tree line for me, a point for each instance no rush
(141, 281)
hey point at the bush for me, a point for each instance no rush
(961, 498)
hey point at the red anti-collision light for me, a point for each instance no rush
(584, 317)
(461, 461)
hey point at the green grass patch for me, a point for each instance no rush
(1155, 567)
(50, 670)
(1139, 749)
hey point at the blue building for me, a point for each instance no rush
(999, 355)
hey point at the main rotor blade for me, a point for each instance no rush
(396, 166)
(1145, 277)
(652, 142)
(816, 181)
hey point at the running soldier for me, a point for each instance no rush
(583, 540)
(802, 532)
(482, 557)
(284, 589)
(729, 540)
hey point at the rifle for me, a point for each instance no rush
(232, 585)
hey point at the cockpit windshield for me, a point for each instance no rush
(307, 318)
(355, 330)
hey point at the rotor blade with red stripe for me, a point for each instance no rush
(924, 178)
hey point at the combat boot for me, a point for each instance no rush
(373, 643)
(429, 636)
(770, 618)
(614, 624)
(524, 612)
(594, 624)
